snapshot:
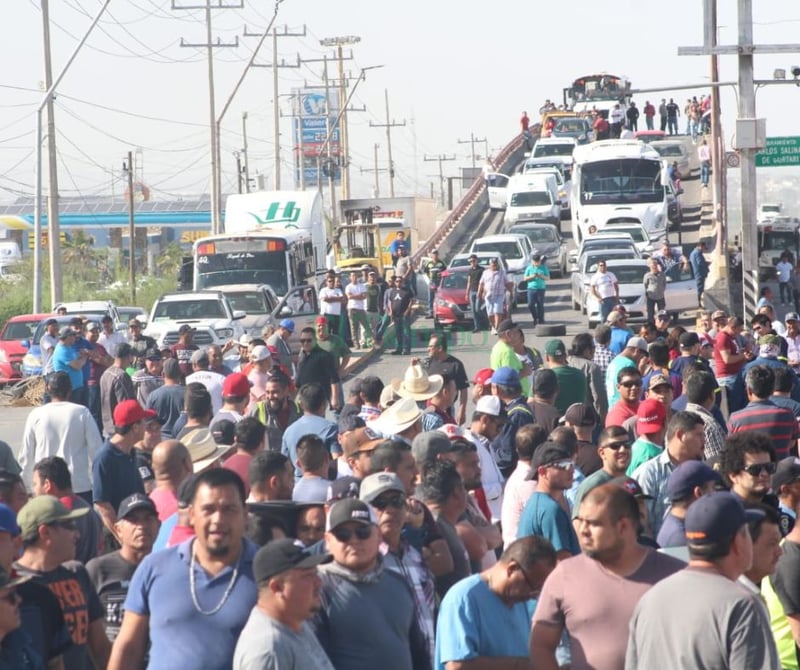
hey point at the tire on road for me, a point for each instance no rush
(551, 330)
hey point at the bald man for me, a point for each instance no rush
(171, 465)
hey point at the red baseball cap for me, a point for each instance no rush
(651, 416)
(321, 320)
(236, 385)
(129, 412)
(483, 376)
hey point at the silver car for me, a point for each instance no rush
(546, 240)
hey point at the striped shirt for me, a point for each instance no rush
(767, 417)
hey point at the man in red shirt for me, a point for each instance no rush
(729, 355)
(649, 113)
(249, 440)
(183, 349)
(600, 127)
(524, 121)
(629, 385)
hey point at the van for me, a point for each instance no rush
(532, 198)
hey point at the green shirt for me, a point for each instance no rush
(335, 346)
(373, 297)
(641, 451)
(572, 387)
(503, 356)
(539, 274)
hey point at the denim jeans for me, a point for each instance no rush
(402, 331)
(672, 125)
(705, 172)
(649, 122)
(606, 305)
(431, 298)
(536, 305)
(474, 303)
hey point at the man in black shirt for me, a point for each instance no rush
(433, 270)
(439, 362)
(137, 526)
(474, 275)
(140, 343)
(400, 301)
(316, 365)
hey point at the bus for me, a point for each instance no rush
(618, 181)
(271, 237)
(597, 92)
(776, 236)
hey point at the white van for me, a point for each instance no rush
(532, 198)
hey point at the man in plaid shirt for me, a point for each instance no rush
(602, 354)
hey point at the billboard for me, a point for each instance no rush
(315, 116)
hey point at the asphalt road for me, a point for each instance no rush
(474, 349)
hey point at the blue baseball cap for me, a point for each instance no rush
(288, 324)
(717, 517)
(684, 478)
(505, 376)
(8, 521)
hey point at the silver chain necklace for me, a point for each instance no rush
(225, 596)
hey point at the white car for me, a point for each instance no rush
(674, 151)
(562, 184)
(587, 266)
(208, 312)
(560, 148)
(497, 190)
(602, 242)
(516, 250)
(641, 238)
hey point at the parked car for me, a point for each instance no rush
(546, 240)
(16, 330)
(641, 238)
(82, 307)
(462, 261)
(32, 361)
(208, 312)
(629, 273)
(674, 151)
(586, 266)
(451, 306)
(674, 208)
(128, 313)
(648, 136)
(516, 250)
(576, 127)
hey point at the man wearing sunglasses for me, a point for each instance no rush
(48, 538)
(367, 613)
(629, 392)
(386, 496)
(748, 463)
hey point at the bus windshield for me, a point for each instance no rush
(623, 180)
(244, 267)
(779, 240)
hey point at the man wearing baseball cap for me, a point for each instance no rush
(487, 422)
(183, 349)
(635, 350)
(786, 486)
(235, 398)
(686, 484)
(114, 472)
(506, 386)
(277, 633)
(377, 603)
(480, 383)
(651, 427)
(279, 342)
(137, 526)
(48, 534)
(504, 355)
(701, 612)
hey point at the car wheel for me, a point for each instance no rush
(551, 330)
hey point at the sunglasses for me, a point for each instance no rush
(398, 502)
(616, 446)
(631, 384)
(562, 465)
(346, 534)
(757, 468)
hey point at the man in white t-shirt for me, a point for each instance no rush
(356, 293)
(330, 303)
(48, 343)
(606, 289)
(208, 378)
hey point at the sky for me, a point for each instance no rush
(451, 69)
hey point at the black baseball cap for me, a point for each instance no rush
(133, 502)
(281, 555)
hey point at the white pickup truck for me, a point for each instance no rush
(209, 312)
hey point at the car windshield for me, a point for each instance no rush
(623, 180)
(188, 310)
(463, 262)
(126, 315)
(636, 233)
(668, 149)
(252, 302)
(538, 234)
(547, 171)
(509, 250)
(19, 330)
(457, 280)
(570, 126)
(605, 244)
(591, 260)
(629, 274)
(530, 199)
(564, 149)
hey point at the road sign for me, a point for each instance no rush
(732, 159)
(779, 152)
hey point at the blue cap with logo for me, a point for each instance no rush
(717, 517)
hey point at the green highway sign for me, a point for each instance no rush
(779, 152)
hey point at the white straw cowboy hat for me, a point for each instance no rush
(203, 449)
(417, 385)
(401, 415)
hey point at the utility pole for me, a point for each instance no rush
(275, 90)
(471, 141)
(244, 155)
(339, 43)
(750, 132)
(375, 170)
(440, 159)
(388, 125)
(128, 168)
(53, 224)
(238, 157)
(209, 45)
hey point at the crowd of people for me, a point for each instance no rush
(627, 502)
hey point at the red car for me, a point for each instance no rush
(16, 329)
(451, 306)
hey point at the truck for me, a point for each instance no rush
(776, 236)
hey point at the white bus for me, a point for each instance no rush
(618, 181)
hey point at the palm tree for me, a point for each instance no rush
(169, 261)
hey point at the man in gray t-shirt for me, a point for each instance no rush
(701, 617)
(277, 635)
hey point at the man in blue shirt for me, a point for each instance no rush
(67, 358)
(699, 265)
(488, 615)
(544, 514)
(398, 242)
(313, 402)
(192, 600)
